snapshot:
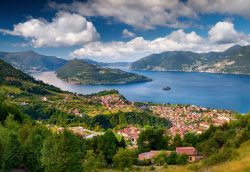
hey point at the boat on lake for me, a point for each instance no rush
(166, 88)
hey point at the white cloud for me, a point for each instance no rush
(219, 39)
(224, 32)
(148, 14)
(144, 14)
(127, 34)
(236, 7)
(65, 29)
(139, 47)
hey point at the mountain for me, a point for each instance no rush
(114, 64)
(78, 71)
(30, 61)
(236, 63)
(9, 73)
(235, 60)
(14, 80)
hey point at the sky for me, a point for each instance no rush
(122, 30)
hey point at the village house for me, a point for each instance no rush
(191, 152)
(44, 99)
(77, 112)
(23, 104)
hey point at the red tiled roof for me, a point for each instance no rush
(186, 150)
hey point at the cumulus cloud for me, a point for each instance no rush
(139, 47)
(224, 32)
(127, 34)
(65, 29)
(236, 7)
(144, 14)
(148, 14)
(219, 39)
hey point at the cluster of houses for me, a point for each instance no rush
(130, 133)
(191, 152)
(113, 101)
(191, 118)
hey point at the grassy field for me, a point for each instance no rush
(240, 164)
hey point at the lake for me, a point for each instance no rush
(204, 89)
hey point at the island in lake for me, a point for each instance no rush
(79, 72)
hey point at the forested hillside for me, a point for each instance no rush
(80, 72)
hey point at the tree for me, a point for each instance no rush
(152, 139)
(124, 158)
(108, 145)
(171, 159)
(12, 156)
(177, 141)
(33, 147)
(62, 152)
(191, 139)
(93, 161)
(7, 109)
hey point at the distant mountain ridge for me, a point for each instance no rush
(235, 60)
(114, 64)
(80, 72)
(30, 61)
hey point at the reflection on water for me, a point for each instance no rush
(210, 90)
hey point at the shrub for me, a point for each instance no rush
(224, 155)
(182, 159)
(124, 158)
(160, 159)
(93, 161)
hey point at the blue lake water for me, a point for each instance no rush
(204, 89)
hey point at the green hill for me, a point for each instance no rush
(7, 71)
(13, 80)
(80, 72)
(30, 61)
(235, 60)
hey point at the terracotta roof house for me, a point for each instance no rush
(191, 152)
